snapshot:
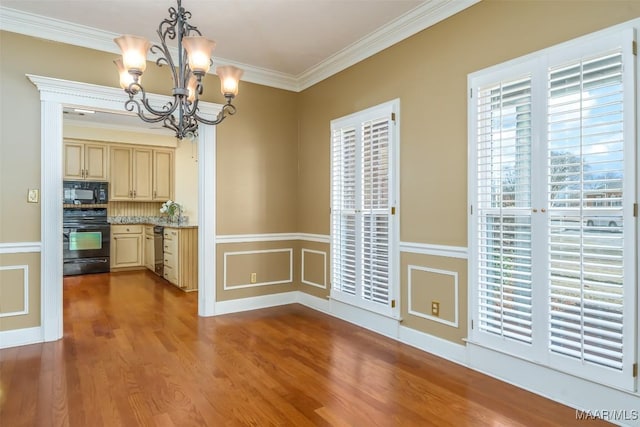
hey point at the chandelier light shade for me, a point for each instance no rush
(134, 52)
(229, 78)
(199, 51)
(193, 62)
(125, 78)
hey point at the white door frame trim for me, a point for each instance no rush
(56, 93)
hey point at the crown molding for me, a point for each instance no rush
(414, 21)
(427, 14)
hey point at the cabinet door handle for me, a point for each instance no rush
(130, 194)
(134, 194)
(155, 194)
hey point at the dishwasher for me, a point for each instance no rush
(158, 249)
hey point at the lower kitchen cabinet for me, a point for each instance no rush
(126, 246)
(181, 257)
(148, 248)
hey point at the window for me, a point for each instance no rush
(552, 189)
(363, 225)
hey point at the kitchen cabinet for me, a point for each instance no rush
(141, 174)
(85, 161)
(163, 175)
(131, 173)
(148, 248)
(181, 257)
(126, 246)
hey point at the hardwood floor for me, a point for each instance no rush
(136, 353)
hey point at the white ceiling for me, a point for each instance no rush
(290, 44)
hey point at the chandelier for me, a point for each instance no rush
(194, 59)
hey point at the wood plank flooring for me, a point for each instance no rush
(135, 353)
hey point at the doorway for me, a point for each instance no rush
(56, 94)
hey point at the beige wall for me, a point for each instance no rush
(257, 164)
(428, 72)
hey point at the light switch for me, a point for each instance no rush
(33, 196)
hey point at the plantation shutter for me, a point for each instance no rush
(375, 212)
(362, 226)
(553, 237)
(343, 221)
(504, 209)
(586, 233)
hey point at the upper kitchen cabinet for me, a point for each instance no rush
(131, 173)
(84, 160)
(163, 176)
(141, 174)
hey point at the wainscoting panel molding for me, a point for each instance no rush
(25, 290)
(426, 315)
(322, 285)
(289, 251)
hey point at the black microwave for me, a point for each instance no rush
(85, 192)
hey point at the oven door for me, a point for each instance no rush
(85, 241)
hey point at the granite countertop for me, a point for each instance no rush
(151, 220)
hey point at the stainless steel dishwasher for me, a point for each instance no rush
(158, 249)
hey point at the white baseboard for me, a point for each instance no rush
(17, 337)
(255, 303)
(451, 351)
(375, 322)
(318, 304)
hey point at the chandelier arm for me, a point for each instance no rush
(227, 110)
(133, 105)
(138, 104)
(165, 56)
(170, 124)
(168, 109)
(135, 88)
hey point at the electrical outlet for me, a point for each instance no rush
(435, 308)
(253, 278)
(33, 195)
